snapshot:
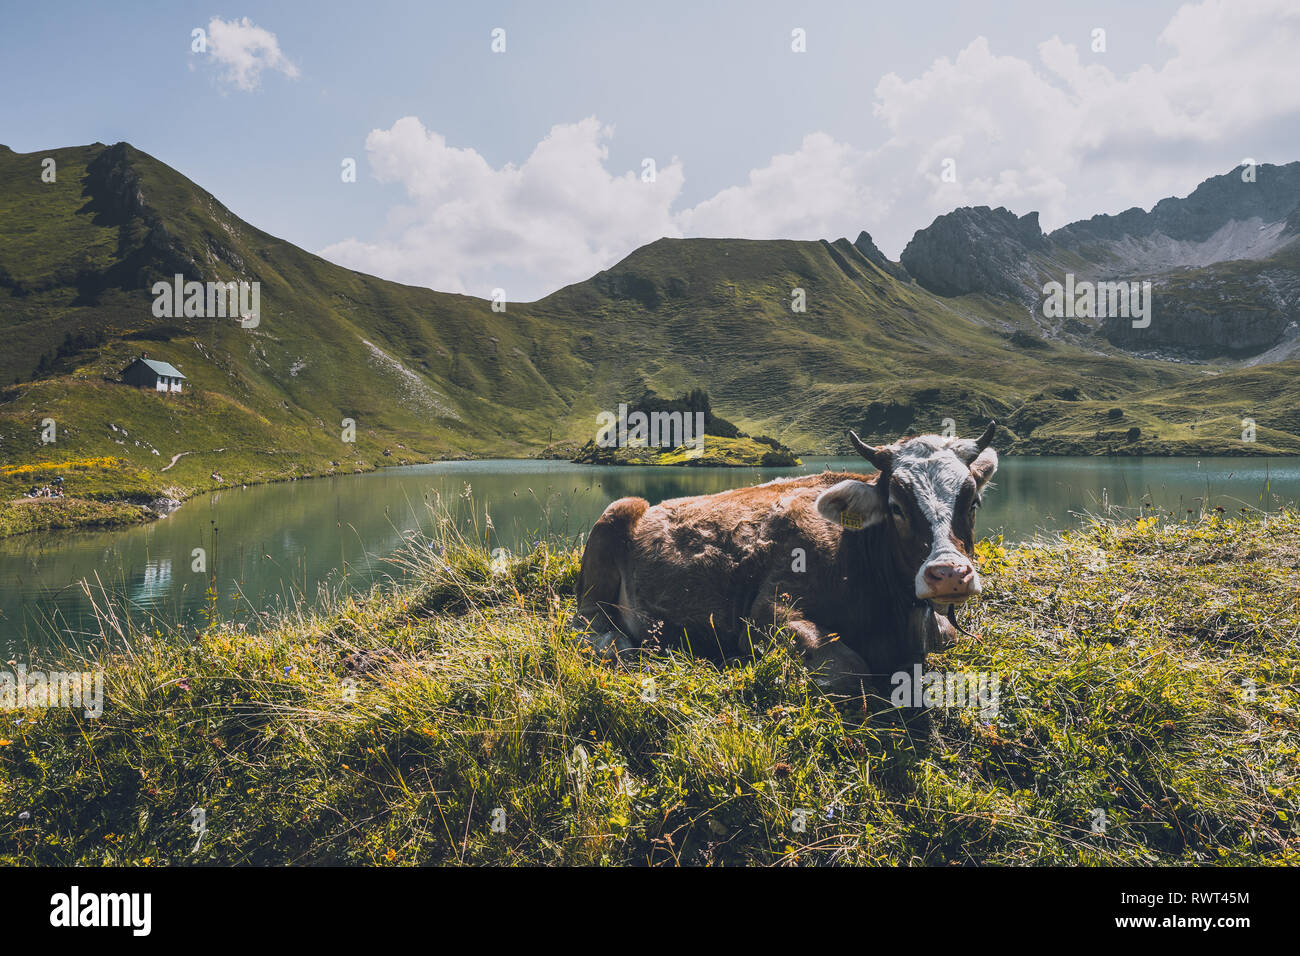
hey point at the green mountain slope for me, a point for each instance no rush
(440, 374)
(428, 375)
(870, 352)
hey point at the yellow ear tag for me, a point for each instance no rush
(851, 520)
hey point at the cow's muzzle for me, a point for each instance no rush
(949, 580)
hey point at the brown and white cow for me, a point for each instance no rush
(856, 566)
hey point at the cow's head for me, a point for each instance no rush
(925, 498)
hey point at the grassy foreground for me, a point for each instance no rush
(1147, 714)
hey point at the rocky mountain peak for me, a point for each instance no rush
(871, 252)
(974, 249)
(1270, 196)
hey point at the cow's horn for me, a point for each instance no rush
(880, 457)
(984, 440)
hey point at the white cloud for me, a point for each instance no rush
(555, 219)
(1064, 135)
(1071, 138)
(242, 51)
(796, 196)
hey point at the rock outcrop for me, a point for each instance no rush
(976, 249)
(865, 245)
(1215, 313)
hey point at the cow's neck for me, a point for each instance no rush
(889, 594)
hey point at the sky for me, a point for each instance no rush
(526, 146)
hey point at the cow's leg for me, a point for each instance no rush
(610, 645)
(599, 617)
(835, 666)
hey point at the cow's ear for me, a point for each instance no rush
(963, 448)
(852, 504)
(983, 467)
(968, 449)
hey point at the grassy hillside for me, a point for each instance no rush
(1210, 414)
(1147, 714)
(429, 375)
(870, 352)
(403, 362)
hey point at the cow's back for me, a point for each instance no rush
(699, 564)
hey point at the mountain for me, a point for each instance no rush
(1224, 265)
(423, 374)
(973, 250)
(883, 347)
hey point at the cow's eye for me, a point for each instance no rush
(896, 511)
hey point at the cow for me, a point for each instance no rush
(859, 568)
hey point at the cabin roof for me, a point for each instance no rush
(161, 368)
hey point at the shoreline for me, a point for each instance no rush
(84, 513)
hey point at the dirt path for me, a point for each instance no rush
(175, 458)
